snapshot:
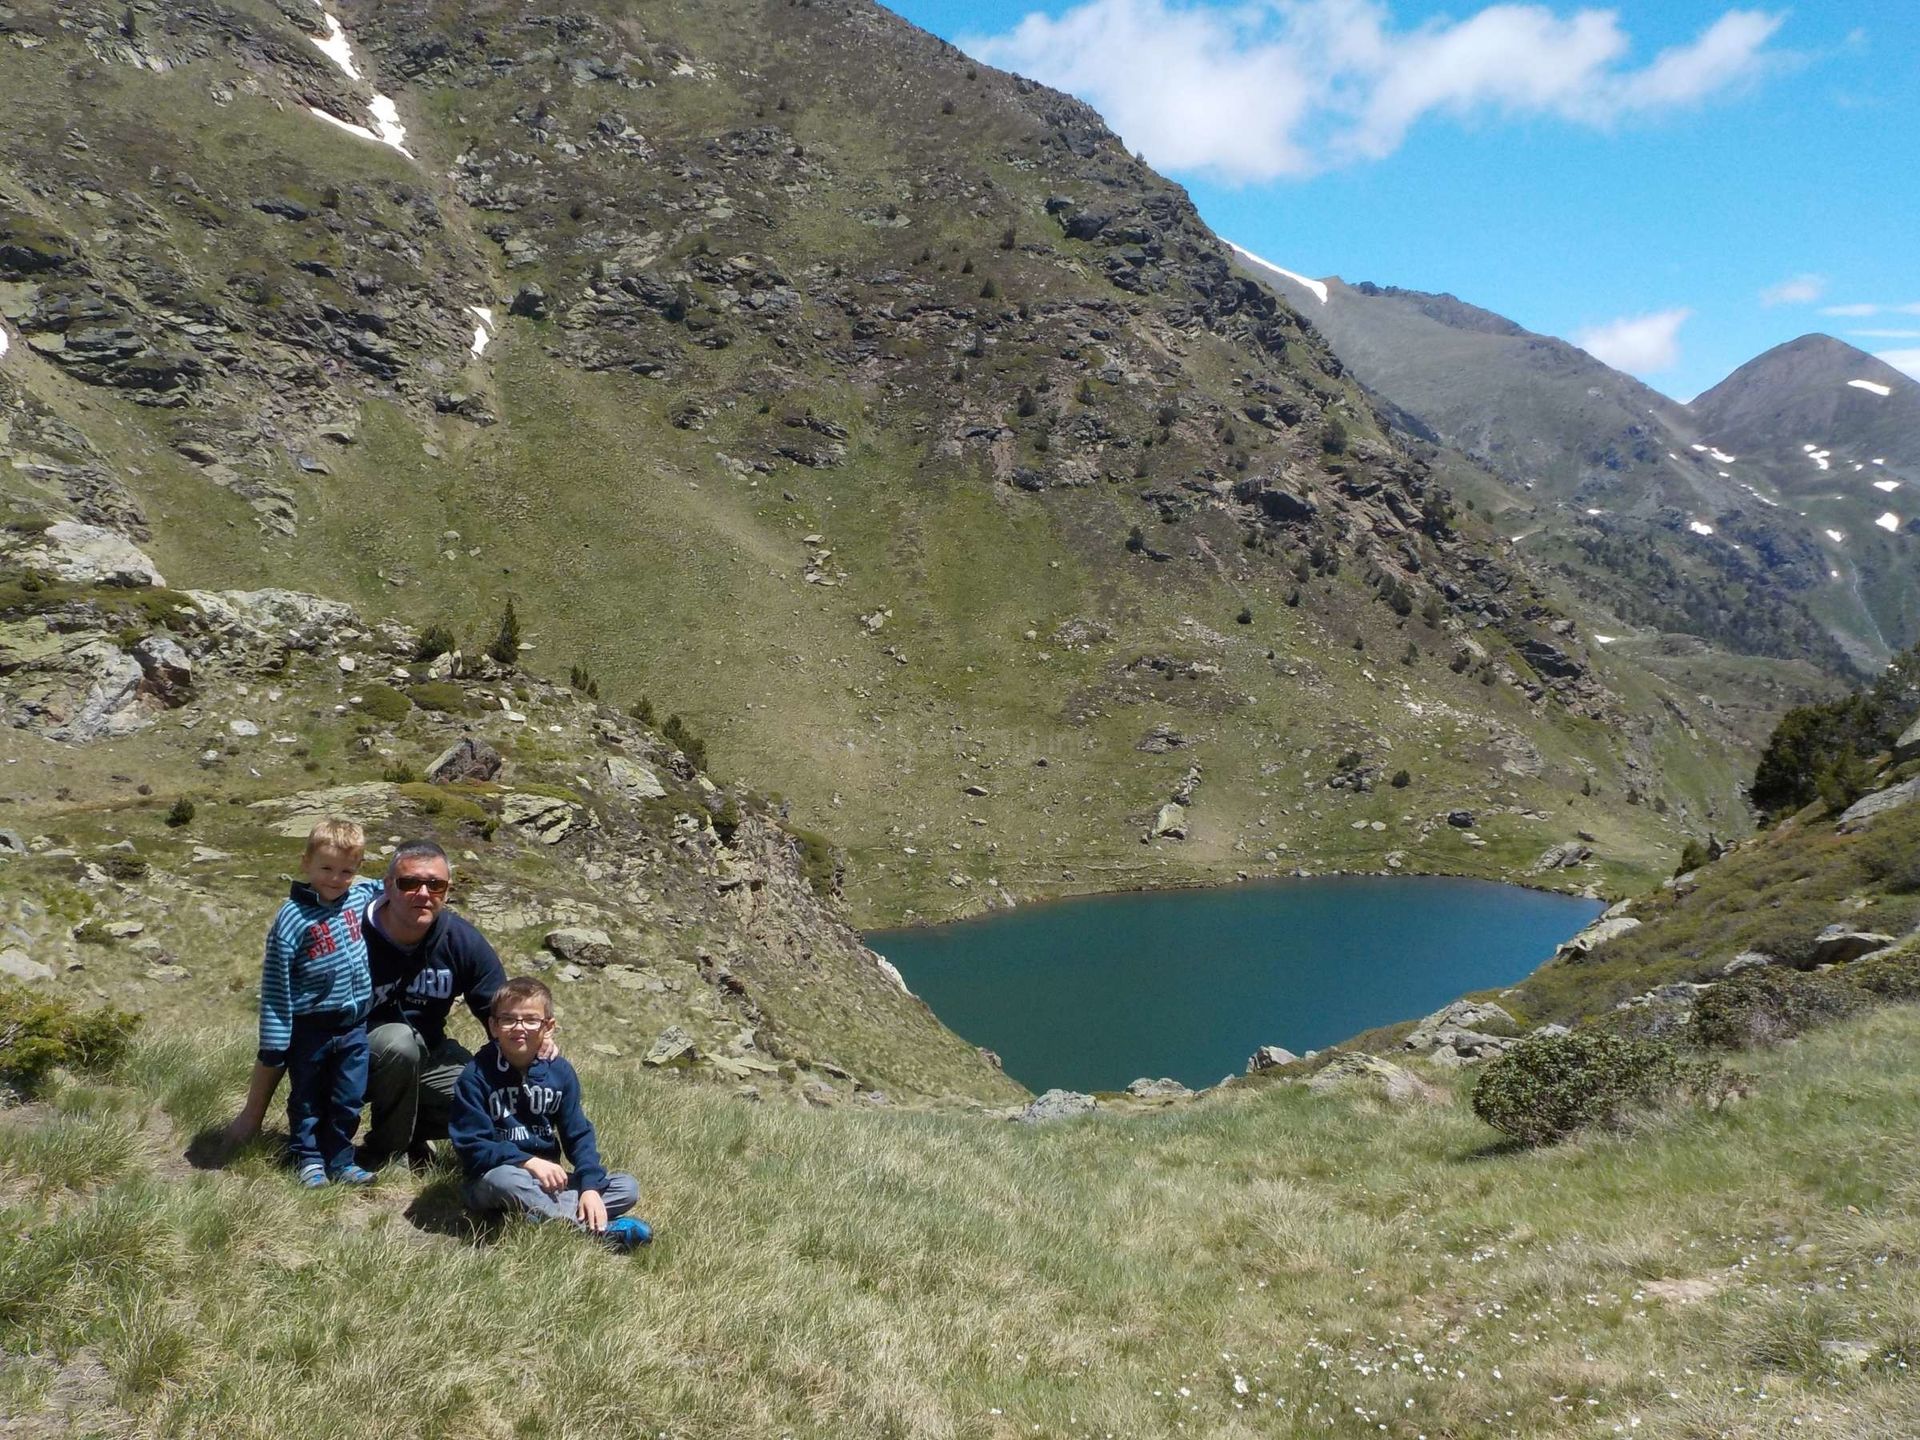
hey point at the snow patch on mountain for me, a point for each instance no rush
(1318, 287)
(1699, 527)
(386, 128)
(1889, 522)
(1870, 385)
(483, 332)
(1887, 485)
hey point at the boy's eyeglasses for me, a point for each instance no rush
(432, 884)
(521, 1022)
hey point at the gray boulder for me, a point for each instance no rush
(1460, 819)
(166, 672)
(673, 1046)
(470, 759)
(579, 946)
(1594, 936)
(1171, 822)
(16, 964)
(1461, 1017)
(1562, 857)
(1746, 960)
(1879, 802)
(1057, 1105)
(1358, 1070)
(1907, 747)
(89, 555)
(634, 779)
(1269, 1057)
(1161, 1089)
(1837, 944)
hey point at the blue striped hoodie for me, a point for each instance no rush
(316, 964)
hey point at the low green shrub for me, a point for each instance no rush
(1893, 978)
(38, 1035)
(434, 641)
(1767, 1005)
(180, 813)
(384, 703)
(442, 696)
(1552, 1086)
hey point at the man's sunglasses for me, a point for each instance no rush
(432, 884)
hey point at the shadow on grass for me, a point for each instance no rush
(1495, 1149)
(209, 1149)
(438, 1210)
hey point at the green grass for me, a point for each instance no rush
(939, 1275)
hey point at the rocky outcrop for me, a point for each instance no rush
(1269, 1057)
(1838, 944)
(1867, 808)
(1463, 1025)
(1594, 936)
(465, 759)
(1057, 1105)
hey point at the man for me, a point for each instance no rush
(422, 957)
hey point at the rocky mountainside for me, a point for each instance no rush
(873, 412)
(1707, 518)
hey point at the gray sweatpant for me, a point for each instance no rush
(511, 1188)
(409, 1090)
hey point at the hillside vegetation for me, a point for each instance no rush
(1269, 1261)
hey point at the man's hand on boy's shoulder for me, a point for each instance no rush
(592, 1211)
(552, 1178)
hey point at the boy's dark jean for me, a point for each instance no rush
(326, 1086)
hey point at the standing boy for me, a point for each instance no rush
(515, 1116)
(314, 993)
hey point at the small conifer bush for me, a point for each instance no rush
(1766, 1005)
(1551, 1086)
(37, 1036)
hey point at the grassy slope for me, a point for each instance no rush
(1361, 1271)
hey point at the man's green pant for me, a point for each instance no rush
(409, 1090)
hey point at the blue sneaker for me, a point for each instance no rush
(351, 1174)
(312, 1175)
(628, 1232)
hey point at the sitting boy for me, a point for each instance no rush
(514, 1117)
(314, 994)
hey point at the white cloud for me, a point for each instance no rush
(1907, 361)
(1259, 89)
(1887, 334)
(1800, 290)
(1862, 311)
(1639, 344)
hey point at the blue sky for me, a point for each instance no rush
(1677, 186)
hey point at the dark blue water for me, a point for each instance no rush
(1088, 994)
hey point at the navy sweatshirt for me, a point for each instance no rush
(417, 985)
(501, 1117)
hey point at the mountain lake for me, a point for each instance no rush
(1089, 994)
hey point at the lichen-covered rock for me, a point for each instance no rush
(88, 555)
(1269, 1057)
(1867, 807)
(1462, 1016)
(673, 1046)
(1594, 936)
(1837, 944)
(1057, 1105)
(579, 945)
(469, 759)
(1359, 1070)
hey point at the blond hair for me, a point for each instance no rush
(334, 833)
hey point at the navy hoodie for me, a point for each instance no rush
(417, 985)
(501, 1117)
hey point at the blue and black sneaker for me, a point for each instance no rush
(629, 1232)
(351, 1174)
(312, 1175)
